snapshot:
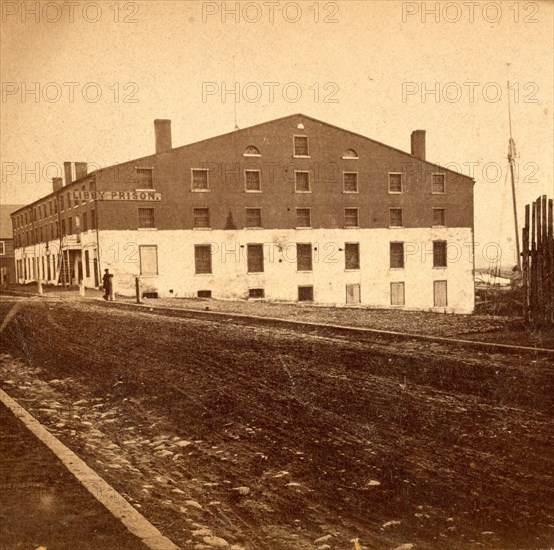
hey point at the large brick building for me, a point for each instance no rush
(292, 209)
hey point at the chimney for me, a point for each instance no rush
(80, 170)
(162, 129)
(418, 144)
(57, 184)
(67, 172)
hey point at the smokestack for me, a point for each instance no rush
(67, 172)
(162, 128)
(57, 184)
(80, 170)
(418, 144)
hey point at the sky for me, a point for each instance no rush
(84, 81)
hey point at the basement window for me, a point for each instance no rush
(256, 293)
(305, 293)
(204, 294)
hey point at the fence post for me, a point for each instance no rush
(137, 289)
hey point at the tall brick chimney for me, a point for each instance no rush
(162, 128)
(80, 170)
(67, 172)
(418, 144)
(57, 184)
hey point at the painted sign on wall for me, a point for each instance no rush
(117, 196)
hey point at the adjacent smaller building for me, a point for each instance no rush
(7, 255)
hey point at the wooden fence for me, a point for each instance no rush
(538, 262)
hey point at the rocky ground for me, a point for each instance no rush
(237, 436)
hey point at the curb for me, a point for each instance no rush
(104, 493)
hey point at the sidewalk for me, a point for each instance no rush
(43, 505)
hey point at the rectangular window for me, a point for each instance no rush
(353, 294)
(93, 219)
(395, 182)
(83, 189)
(439, 254)
(253, 217)
(63, 228)
(437, 183)
(305, 293)
(350, 182)
(352, 256)
(77, 223)
(255, 258)
(2, 248)
(55, 206)
(148, 260)
(397, 255)
(256, 293)
(302, 182)
(144, 178)
(439, 216)
(202, 259)
(252, 180)
(301, 146)
(85, 221)
(395, 217)
(200, 179)
(69, 200)
(62, 207)
(70, 226)
(351, 217)
(201, 217)
(303, 217)
(303, 257)
(397, 294)
(146, 217)
(204, 294)
(50, 207)
(440, 294)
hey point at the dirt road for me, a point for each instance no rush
(267, 437)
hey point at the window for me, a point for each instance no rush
(302, 180)
(202, 259)
(201, 217)
(439, 254)
(352, 256)
(303, 217)
(440, 294)
(85, 221)
(55, 206)
(69, 200)
(437, 183)
(301, 146)
(350, 154)
(253, 217)
(255, 258)
(77, 223)
(304, 257)
(350, 182)
(252, 180)
(148, 260)
(83, 189)
(63, 228)
(397, 294)
(351, 217)
(204, 294)
(200, 179)
(93, 219)
(144, 178)
(439, 216)
(2, 248)
(353, 294)
(397, 255)
(256, 293)
(395, 182)
(305, 293)
(146, 217)
(395, 217)
(251, 151)
(69, 226)
(62, 207)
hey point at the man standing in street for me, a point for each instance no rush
(107, 284)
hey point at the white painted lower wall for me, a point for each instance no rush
(119, 251)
